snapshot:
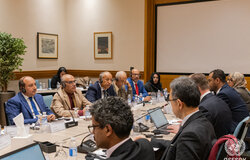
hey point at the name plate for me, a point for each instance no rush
(57, 126)
(12, 130)
(5, 141)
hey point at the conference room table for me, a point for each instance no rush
(79, 132)
(46, 91)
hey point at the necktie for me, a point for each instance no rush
(136, 89)
(33, 106)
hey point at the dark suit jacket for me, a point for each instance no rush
(235, 103)
(218, 113)
(94, 92)
(134, 150)
(18, 104)
(140, 87)
(192, 142)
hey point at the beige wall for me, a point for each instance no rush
(75, 21)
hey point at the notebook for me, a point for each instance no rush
(158, 118)
(25, 153)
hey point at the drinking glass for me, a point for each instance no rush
(60, 153)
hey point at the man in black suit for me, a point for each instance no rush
(217, 83)
(194, 139)
(215, 109)
(102, 88)
(112, 121)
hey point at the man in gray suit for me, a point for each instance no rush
(195, 136)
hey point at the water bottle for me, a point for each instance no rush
(44, 118)
(165, 93)
(58, 85)
(129, 99)
(72, 148)
(87, 113)
(140, 98)
(158, 96)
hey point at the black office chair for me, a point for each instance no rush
(7, 119)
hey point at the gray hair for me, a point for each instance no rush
(186, 90)
(114, 111)
(119, 74)
(102, 74)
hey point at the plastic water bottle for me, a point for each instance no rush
(158, 96)
(140, 98)
(44, 118)
(129, 99)
(87, 113)
(72, 149)
(165, 93)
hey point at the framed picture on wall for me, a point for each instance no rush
(47, 46)
(103, 45)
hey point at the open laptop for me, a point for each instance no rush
(158, 118)
(30, 152)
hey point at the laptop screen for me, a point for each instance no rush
(158, 117)
(26, 153)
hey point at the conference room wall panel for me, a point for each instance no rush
(75, 22)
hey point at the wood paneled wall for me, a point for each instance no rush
(76, 73)
(166, 80)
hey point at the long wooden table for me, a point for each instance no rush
(79, 132)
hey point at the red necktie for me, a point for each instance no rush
(136, 89)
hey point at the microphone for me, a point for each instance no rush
(87, 146)
(151, 111)
(72, 123)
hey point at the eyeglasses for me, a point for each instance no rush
(70, 82)
(91, 128)
(230, 79)
(171, 99)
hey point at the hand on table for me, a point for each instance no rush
(51, 117)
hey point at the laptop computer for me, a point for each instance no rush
(159, 119)
(25, 153)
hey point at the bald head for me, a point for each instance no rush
(27, 85)
(135, 75)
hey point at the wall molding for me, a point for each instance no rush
(76, 73)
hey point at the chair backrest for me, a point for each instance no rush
(48, 100)
(49, 83)
(7, 119)
(37, 84)
(239, 129)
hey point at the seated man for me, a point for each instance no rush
(112, 121)
(122, 86)
(67, 98)
(194, 139)
(217, 83)
(137, 85)
(102, 88)
(215, 109)
(27, 102)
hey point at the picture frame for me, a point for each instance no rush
(47, 46)
(103, 45)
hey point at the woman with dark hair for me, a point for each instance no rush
(154, 84)
(57, 78)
